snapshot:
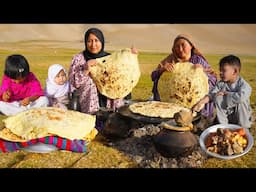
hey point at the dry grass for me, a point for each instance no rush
(100, 155)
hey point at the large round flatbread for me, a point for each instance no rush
(42, 122)
(156, 109)
(117, 74)
(6, 134)
(185, 85)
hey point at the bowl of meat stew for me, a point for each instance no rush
(226, 141)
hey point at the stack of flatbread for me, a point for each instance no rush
(185, 85)
(117, 74)
(157, 109)
(42, 122)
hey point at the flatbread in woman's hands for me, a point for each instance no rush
(185, 85)
(117, 74)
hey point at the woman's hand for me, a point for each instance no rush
(134, 50)
(90, 63)
(206, 70)
(6, 95)
(198, 65)
(167, 67)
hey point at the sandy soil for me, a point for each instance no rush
(210, 38)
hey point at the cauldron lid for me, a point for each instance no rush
(171, 125)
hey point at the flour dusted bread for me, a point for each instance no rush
(185, 85)
(117, 74)
(156, 109)
(42, 122)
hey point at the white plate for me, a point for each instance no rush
(230, 126)
(40, 148)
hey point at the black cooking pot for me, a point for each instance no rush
(103, 113)
(116, 127)
(170, 143)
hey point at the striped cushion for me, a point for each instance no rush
(62, 143)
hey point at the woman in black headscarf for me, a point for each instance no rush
(90, 98)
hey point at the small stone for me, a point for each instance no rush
(138, 159)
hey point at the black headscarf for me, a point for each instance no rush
(88, 55)
(98, 33)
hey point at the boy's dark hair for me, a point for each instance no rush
(231, 60)
(16, 66)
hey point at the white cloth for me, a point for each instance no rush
(52, 89)
(14, 107)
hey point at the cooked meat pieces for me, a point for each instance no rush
(226, 141)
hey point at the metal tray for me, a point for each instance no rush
(125, 111)
(40, 148)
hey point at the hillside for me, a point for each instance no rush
(210, 38)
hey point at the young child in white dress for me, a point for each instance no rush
(57, 86)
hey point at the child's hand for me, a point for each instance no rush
(221, 93)
(200, 104)
(197, 107)
(6, 95)
(194, 108)
(25, 101)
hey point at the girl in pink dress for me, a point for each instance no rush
(20, 88)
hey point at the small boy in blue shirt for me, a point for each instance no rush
(231, 95)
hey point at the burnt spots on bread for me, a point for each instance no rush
(105, 74)
(189, 99)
